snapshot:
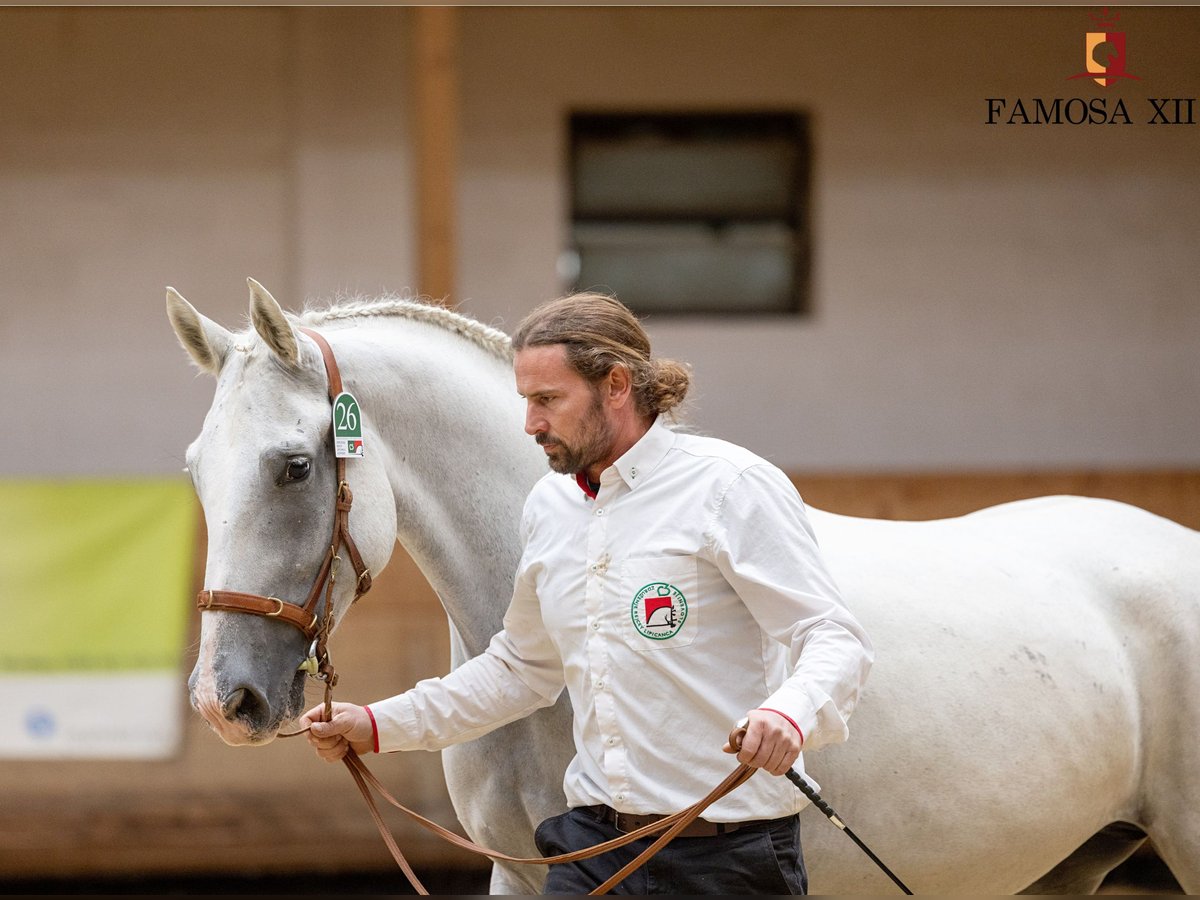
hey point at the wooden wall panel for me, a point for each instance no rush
(435, 131)
(1174, 494)
(214, 808)
(237, 810)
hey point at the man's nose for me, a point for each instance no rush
(534, 421)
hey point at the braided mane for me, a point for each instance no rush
(490, 339)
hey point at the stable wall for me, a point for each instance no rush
(277, 809)
(996, 302)
(192, 147)
(983, 296)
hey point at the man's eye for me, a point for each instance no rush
(297, 469)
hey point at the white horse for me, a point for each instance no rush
(1035, 705)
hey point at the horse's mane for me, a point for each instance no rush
(490, 339)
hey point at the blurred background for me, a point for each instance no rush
(912, 311)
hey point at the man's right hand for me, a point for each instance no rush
(350, 729)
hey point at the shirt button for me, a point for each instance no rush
(612, 741)
(599, 512)
(620, 798)
(600, 685)
(595, 626)
(593, 567)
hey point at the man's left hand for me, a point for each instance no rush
(771, 742)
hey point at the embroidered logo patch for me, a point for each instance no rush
(659, 611)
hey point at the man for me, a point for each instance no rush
(672, 584)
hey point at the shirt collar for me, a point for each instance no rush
(636, 463)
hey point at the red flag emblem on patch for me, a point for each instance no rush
(659, 610)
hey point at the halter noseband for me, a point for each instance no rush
(305, 617)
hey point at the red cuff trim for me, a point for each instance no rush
(375, 728)
(789, 718)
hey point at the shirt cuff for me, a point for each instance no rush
(777, 712)
(794, 705)
(374, 728)
(396, 725)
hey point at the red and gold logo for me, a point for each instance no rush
(1104, 51)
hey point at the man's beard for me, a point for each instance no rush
(595, 441)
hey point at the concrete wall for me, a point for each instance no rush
(190, 147)
(193, 147)
(1003, 297)
(984, 296)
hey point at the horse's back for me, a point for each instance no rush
(1014, 660)
(1114, 549)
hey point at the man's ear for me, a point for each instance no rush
(618, 386)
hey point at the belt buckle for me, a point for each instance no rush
(625, 822)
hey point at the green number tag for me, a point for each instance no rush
(347, 427)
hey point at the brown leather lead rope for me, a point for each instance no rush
(670, 826)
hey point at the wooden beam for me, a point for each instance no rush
(1172, 493)
(435, 128)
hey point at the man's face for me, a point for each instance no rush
(563, 411)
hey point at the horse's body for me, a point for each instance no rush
(1035, 677)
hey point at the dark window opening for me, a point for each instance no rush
(691, 213)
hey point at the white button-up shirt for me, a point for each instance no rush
(687, 592)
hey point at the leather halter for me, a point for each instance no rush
(314, 628)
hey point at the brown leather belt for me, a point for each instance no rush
(627, 822)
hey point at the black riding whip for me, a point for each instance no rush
(807, 789)
(735, 744)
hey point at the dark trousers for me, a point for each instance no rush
(763, 858)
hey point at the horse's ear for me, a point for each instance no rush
(271, 324)
(205, 341)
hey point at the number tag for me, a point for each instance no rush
(347, 427)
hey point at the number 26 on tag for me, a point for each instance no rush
(347, 427)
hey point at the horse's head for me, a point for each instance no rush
(264, 470)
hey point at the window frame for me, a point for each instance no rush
(793, 124)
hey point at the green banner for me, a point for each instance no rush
(95, 576)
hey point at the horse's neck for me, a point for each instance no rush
(449, 418)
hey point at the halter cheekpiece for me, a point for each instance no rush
(315, 628)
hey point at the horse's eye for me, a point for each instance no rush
(297, 469)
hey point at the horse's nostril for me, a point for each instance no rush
(246, 704)
(233, 703)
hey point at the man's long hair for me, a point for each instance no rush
(600, 332)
